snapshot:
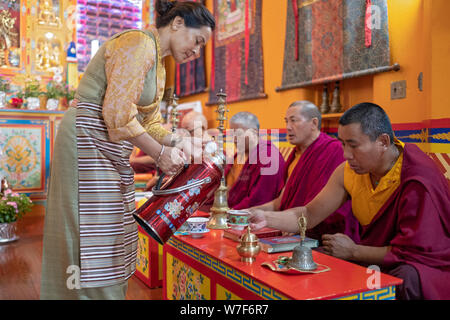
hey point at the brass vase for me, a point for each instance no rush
(249, 247)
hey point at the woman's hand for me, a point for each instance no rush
(152, 182)
(192, 148)
(170, 160)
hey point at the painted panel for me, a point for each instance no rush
(143, 253)
(185, 282)
(225, 294)
(24, 149)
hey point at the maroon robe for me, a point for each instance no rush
(415, 221)
(254, 186)
(308, 178)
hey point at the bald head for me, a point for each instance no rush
(308, 110)
(193, 120)
(245, 120)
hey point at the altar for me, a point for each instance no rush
(209, 268)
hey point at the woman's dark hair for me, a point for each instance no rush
(373, 119)
(195, 14)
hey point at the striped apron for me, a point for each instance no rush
(108, 231)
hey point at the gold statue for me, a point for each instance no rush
(47, 55)
(47, 15)
(7, 34)
(302, 227)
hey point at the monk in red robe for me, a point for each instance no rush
(255, 173)
(308, 168)
(400, 197)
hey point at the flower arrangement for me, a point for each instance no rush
(32, 89)
(55, 90)
(69, 92)
(4, 85)
(13, 206)
(15, 102)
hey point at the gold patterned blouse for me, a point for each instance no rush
(133, 87)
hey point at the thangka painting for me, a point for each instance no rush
(23, 159)
(237, 60)
(190, 76)
(334, 40)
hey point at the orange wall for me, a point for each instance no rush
(440, 59)
(420, 42)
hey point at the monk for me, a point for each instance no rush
(193, 121)
(399, 196)
(308, 168)
(255, 173)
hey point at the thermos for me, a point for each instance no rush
(172, 204)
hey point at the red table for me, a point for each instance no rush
(210, 268)
(149, 266)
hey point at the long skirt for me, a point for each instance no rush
(90, 236)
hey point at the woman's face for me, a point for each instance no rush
(186, 43)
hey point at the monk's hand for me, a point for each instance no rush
(338, 245)
(257, 219)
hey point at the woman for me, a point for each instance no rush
(90, 235)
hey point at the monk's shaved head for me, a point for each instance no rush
(308, 110)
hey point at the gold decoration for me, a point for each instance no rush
(219, 210)
(7, 34)
(47, 15)
(174, 113)
(48, 55)
(302, 227)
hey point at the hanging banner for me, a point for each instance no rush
(237, 65)
(190, 77)
(334, 40)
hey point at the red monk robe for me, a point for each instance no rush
(308, 178)
(415, 221)
(261, 179)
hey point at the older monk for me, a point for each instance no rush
(308, 168)
(255, 175)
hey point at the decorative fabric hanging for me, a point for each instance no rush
(295, 9)
(368, 24)
(237, 63)
(213, 65)
(247, 40)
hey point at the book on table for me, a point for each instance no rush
(285, 243)
(236, 235)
